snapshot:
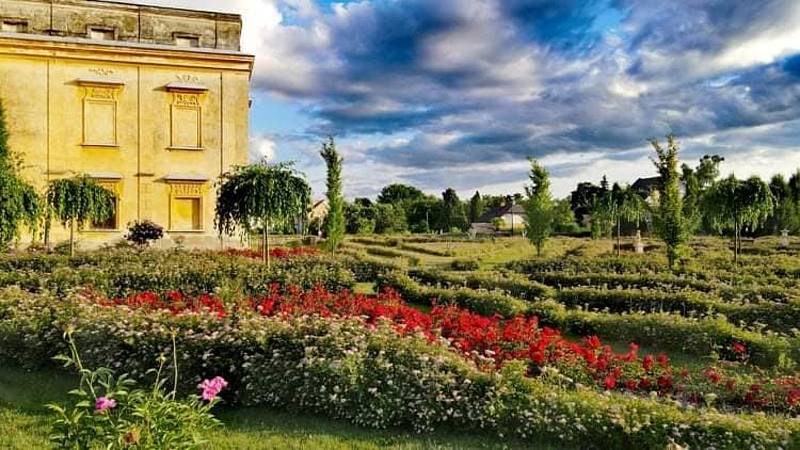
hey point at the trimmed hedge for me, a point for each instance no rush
(515, 285)
(483, 302)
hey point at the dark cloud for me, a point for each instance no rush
(491, 82)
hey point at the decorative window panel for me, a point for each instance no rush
(100, 115)
(187, 121)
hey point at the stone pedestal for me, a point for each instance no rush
(638, 245)
(784, 241)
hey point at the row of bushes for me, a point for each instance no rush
(515, 285)
(778, 317)
(700, 336)
(121, 274)
(483, 302)
(370, 376)
(669, 282)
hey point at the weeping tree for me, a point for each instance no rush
(538, 207)
(334, 221)
(19, 202)
(259, 196)
(75, 201)
(668, 219)
(732, 204)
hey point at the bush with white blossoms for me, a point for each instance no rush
(370, 374)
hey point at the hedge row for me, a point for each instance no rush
(700, 336)
(122, 274)
(779, 317)
(482, 302)
(371, 377)
(515, 285)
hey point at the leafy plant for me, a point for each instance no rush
(732, 204)
(538, 207)
(669, 221)
(109, 412)
(143, 232)
(334, 222)
(259, 196)
(78, 200)
(19, 202)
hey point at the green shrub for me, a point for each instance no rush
(465, 265)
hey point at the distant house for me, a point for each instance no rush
(316, 216)
(511, 216)
(646, 186)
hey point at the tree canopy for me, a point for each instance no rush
(19, 203)
(334, 221)
(538, 206)
(732, 204)
(75, 201)
(258, 196)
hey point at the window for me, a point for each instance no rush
(186, 205)
(111, 222)
(101, 34)
(187, 41)
(186, 214)
(14, 26)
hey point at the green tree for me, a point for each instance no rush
(19, 202)
(334, 221)
(785, 216)
(732, 205)
(538, 206)
(259, 196)
(389, 218)
(631, 207)
(669, 221)
(399, 193)
(75, 201)
(563, 217)
(475, 207)
(453, 215)
(696, 181)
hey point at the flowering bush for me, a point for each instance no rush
(277, 252)
(372, 375)
(109, 413)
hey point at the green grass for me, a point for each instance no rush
(24, 424)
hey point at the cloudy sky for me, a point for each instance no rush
(458, 93)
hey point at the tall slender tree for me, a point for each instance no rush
(259, 196)
(334, 221)
(19, 202)
(538, 206)
(669, 221)
(453, 215)
(733, 204)
(475, 207)
(75, 201)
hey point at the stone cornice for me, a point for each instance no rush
(123, 52)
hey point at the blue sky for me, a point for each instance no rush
(458, 93)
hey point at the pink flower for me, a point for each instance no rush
(104, 403)
(212, 387)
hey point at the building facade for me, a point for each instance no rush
(151, 102)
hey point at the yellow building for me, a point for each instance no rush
(152, 102)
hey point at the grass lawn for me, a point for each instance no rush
(24, 424)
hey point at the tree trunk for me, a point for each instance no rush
(264, 242)
(72, 238)
(619, 239)
(267, 245)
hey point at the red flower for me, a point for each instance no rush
(647, 362)
(739, 348)
(712, 375)
(610, 382)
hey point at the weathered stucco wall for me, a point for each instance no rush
(157, 125)
(127, 22)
